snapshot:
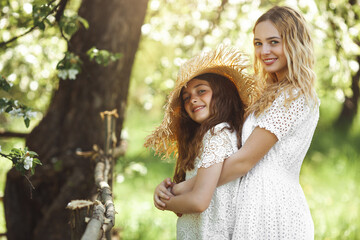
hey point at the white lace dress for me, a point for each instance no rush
(218, 220)
(271, 203)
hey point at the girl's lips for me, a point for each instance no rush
(198, 108)
(269, 61)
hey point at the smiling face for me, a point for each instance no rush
(197, 97)
(269, 49)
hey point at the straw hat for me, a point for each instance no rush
(226, 61)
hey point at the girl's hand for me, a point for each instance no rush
(163, 191)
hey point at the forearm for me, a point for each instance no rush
(240, 163)
(233, 168)
(184, 187)
(198, 199)
(185, 203)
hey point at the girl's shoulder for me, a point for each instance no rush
(218, 129)
(221, 126)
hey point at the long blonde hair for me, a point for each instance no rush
(298, 49)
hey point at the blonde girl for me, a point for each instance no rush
(276, 135)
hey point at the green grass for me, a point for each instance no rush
(330, 177)
(137, 217)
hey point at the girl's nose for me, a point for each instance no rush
(194, 99)
(265, 49)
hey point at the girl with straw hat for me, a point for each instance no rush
(276, 135)
(202, 126)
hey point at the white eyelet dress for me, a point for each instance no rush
(218, 220)
(271, 203)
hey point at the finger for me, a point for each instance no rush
(167, 182)
(165, 195)
(158, 203)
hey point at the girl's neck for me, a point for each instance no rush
(281, 75)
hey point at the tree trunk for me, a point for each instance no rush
(73, 122)
(350, 106)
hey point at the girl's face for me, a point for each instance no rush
(269, 49)
(197, 98)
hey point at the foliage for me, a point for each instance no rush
(13, 107)
(102, 57)
(337, 35)
(69, 66)
(23, 160)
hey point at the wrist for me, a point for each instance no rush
(176, 189)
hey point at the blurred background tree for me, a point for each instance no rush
(72, 117)
(173, 31)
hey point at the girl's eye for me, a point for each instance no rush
(274, 42)
(201, 91)
(186, 98)
(257, 43)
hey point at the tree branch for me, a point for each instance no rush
(4, 134)
(3, 44)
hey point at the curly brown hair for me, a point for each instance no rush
(225, 106)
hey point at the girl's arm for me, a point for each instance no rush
(198, 199)
(167, 189)
(255, 148)
(238, 164)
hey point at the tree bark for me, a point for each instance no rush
(350, 106)
(73, 122)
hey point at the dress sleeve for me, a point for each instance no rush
(280, 119)
(217, 146)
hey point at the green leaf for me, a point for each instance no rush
(9, 108)
(37, 161)
(41, 25)
(102, 57)
(16, 151)
(4, 84)
(27, 121)
(32, 153)
(83, 21)
(3, 102)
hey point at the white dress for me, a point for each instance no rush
(218, 220)
(271, 203)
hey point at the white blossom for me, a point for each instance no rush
(72, 73)
(28, 162)
(30, 114)
(62, 74)
(16, 112)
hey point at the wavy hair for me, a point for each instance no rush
(225, 106)
(298, 49)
